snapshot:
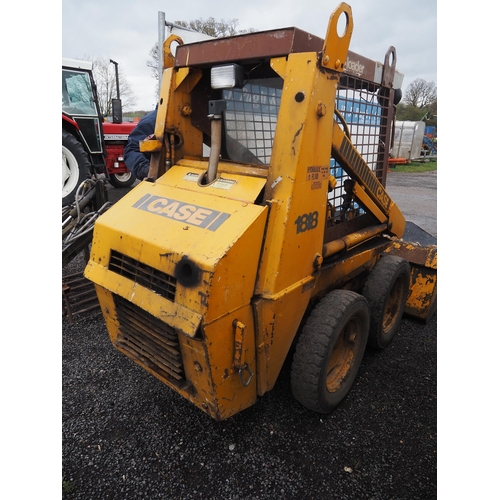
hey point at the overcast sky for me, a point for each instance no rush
(126, 30)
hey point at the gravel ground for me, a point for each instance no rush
(125, 435)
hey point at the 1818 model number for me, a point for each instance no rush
(306, 222)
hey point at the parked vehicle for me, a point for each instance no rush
(82, 134)
(214, 269)
(115, 140)
(90, 145)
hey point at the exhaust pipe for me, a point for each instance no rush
(215, 109)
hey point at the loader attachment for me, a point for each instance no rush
(419, 248)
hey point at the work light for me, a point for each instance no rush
(228, 76)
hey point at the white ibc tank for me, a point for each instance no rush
(408, 139)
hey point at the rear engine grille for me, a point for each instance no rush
(158, 282)
(150, 341)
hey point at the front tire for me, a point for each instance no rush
(386, 290)
(124, 180)
(330, 350)
(75, 167)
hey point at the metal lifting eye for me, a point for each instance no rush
(342, 24)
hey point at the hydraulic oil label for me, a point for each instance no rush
(318, 173)
(186, 213)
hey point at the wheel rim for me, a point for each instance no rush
(393, 305)
(123, 177)
(344, 355)
(70, 172)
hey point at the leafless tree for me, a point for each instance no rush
(210, 27)
(105, 79)
(421, 94)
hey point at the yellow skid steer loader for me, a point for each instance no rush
(282, 237)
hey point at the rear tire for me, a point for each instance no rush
(386, 290)
(124, 180)
(75, 167)
(330, 350)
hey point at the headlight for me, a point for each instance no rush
(227, 77)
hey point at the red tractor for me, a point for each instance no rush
(115, 140)
(90, 145)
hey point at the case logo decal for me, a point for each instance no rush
(186, 213)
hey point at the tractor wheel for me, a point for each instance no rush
(122, 180)
(75, 167)
(330, 350)
(386, 290)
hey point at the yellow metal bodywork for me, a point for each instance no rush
(244, 256)
(174, 134)
(285, 278)
(153, 225)
(422, 298)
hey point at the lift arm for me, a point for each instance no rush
(367, 188)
